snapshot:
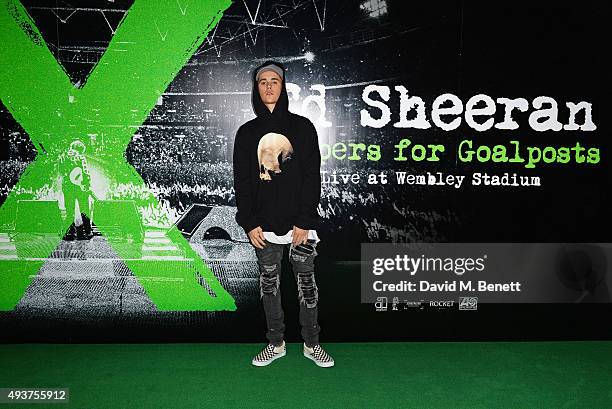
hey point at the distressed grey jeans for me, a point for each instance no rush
(302, 262)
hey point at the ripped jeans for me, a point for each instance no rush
(269, 261)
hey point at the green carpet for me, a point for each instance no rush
(366, 375)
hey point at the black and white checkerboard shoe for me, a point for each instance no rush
(319, 356)
(269, 354)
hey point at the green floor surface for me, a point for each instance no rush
(366, 375)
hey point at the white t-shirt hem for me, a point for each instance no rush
(288, 237)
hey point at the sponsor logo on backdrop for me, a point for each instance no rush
(381, 304)
(441, 303)
(468, 303)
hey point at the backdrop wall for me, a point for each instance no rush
(441, 123)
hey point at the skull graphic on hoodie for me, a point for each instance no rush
(272, 150)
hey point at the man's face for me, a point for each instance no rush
(269, 87)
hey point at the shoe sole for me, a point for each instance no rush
(265, 363)
(321, 364)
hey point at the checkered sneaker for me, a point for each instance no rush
(319, 356)
(269, 354)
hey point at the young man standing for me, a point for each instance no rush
(277, 182)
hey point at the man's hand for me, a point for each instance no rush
(257, 237)
(300, 236)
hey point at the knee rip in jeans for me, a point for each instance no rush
(269, 267)
(307, 289)
(269, 283)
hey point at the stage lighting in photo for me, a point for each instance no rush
(309, 56)
(374, 8)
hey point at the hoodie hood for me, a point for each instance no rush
(281, 108)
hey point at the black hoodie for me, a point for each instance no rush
(277, 164)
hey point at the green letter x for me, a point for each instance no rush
(153, 42)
